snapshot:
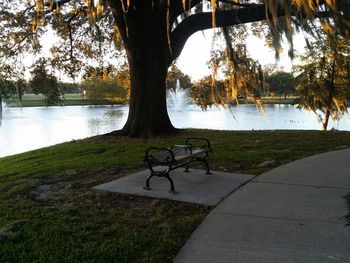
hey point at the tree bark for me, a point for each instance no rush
(144, 32)
(326, 119)
(148, 114)
(330, 89)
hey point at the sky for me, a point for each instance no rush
(194, 57)
(196, 53)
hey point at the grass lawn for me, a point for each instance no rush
(48, 213)
(273, 100)
(32, 100)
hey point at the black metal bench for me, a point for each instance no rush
(195, 149)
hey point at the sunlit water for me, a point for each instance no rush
(32, 128)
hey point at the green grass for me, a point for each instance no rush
(48, 213)
(32, 100)
(272, 100)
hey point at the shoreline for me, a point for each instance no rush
(81, 102)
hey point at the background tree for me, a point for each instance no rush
(7, 87)
(324, 78)
(174, 75)
(153, 34)
(281, 83)
(122, 78)
(69, 88)
(44, 83)
(102, 84)
(204, 92)
(20, 88)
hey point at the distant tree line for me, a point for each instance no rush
(98, 84)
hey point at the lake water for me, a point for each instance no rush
(32, 128)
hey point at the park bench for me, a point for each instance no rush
(194, 150)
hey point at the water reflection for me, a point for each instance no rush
(31, 128)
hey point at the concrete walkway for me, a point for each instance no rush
(294, 213)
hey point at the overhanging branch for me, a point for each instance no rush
(56, 4)
(203, 21)
(177, 7)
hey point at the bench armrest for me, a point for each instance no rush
(193, 141)
(166, 155)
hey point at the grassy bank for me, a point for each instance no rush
(273, 100)
(32, 100)
(49, 214)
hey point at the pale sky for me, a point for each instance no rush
(195, 54)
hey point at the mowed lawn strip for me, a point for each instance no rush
(48, 213)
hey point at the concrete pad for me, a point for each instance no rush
(194, 187)
(290, 202)
(330, 169)
(233, 238)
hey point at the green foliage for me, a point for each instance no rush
(44, 83)
(70, 88)
(243, 76)
(102, 84)
(207, 92)
(324, 78)
(281, 82)
(7, 88)
(202, 92)
(174, 75)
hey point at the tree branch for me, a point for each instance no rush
(235, 3)
(203, 21)
(177, 8)
(56, 4)
(119, 18)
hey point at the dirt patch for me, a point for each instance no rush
(6, 232)
(45, 191)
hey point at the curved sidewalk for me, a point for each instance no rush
(294, 213)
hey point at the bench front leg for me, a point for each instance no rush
(160, 174)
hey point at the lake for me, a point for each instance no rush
(32, 128)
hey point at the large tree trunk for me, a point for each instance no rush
(144, 32)
(148, 114)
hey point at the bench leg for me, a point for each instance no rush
(172, 188)
(186, 168)
(204, 160)
(147, 181)
(160, 174)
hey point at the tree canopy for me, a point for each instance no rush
(103, 84)
(281, 82)
(176, 75)
(153, 33)
(324, 78)
(44, 83)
